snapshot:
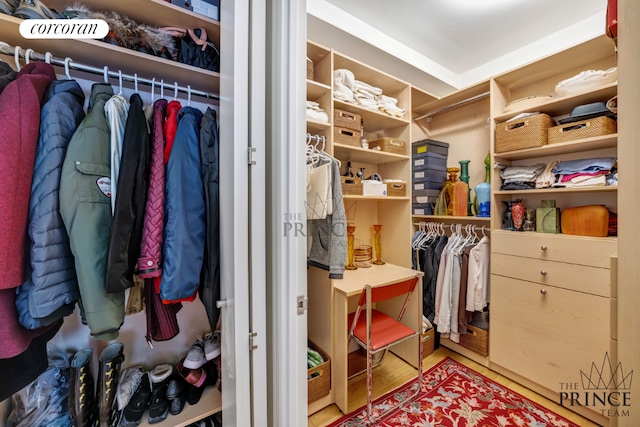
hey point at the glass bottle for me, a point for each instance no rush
(364, 143)
(483, 192)
(464, 177)
(350, 246)
(378, 244)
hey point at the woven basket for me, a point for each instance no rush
(351, 186)
(309, 69)
(476, 340)
(346, 136)
(319, 378)
(596, 126)
(346, 119)
(527, 132)
(390, 145)
(396, 189)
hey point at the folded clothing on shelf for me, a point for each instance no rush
(314, 112)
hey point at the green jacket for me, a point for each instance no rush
(85, 207)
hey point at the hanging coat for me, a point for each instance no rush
(124, 246)
(85, 205)
(51, 288)
(210, 276)
(183, 247)
(19, 121)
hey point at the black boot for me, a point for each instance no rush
(109, 371)
(81, 394)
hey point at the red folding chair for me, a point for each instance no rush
(376, 331)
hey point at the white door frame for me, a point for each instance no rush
(286, 194)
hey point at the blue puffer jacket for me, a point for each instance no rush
(183, 246)
(51, 290)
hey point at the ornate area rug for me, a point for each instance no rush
(454, 395)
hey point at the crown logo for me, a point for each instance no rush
(605, 377)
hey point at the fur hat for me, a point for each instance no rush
(126, 32)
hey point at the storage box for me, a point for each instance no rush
(426, 185)
(347, 120)
(374, 188)
(586, 221)
(527, 132)
(548, 220)
(430, 146)
(596, 126)
(208, 8)
(428, 340)
(310, 69)
(425, 193)
(422, 200)
(390, 145)
(429, 173)
(396, 188)
(346, 136)
(319, 378)
(429, 160)
(351, 186)
(421, 209)
(476, 340)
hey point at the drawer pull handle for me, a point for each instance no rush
(543, 247)
(543, 291)
(543, 272)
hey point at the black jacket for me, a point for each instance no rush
(128, 218)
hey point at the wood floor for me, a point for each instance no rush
(394, 372)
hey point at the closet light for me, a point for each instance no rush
(482, 5)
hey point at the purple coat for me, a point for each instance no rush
(150, 261)
(20, 104)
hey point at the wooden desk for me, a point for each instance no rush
(346, 293)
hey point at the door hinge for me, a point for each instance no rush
(252, 346)
(251, 150)
(302, 303)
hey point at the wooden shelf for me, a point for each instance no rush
(315, 127)
(315, 90)
(605, 189)
(209, 404)
(420, 98)
(365, 155)
(390, 85)
(158, 13)
(561, 105)
(453, 218)
(374, 121)
(99, 54)
(579, 145)
(389, 198)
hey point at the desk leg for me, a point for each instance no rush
(340, 362)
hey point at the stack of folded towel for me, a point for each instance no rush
(346, 88)
(521, 177)
(314, 112)
(586, 172)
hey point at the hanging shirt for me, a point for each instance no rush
(116, 110)
(319, 194)
(478, 278)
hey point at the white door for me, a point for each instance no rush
(286, 194)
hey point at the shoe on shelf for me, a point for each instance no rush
(196, 377)
(176, 405)
(217, 419)
(8, 6)
(196, 356)
(35, 9)
(159, 404)
(212, 345)
(194, 394)
(133, 412)
(128, 385)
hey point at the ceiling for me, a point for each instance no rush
(445, 45)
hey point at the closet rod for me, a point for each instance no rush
(454, 105)
(10, 50)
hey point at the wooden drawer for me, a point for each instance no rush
(547, 338)
(574, 277)
(590, 251)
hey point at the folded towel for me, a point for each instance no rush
(385, 98)
(546, 178)
(317, 115)
(365, 87)
(584, 165)
(343, 83)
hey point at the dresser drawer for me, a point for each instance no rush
(546, 337)
(590, 251)
(574, 277)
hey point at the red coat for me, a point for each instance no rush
(20, 104)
